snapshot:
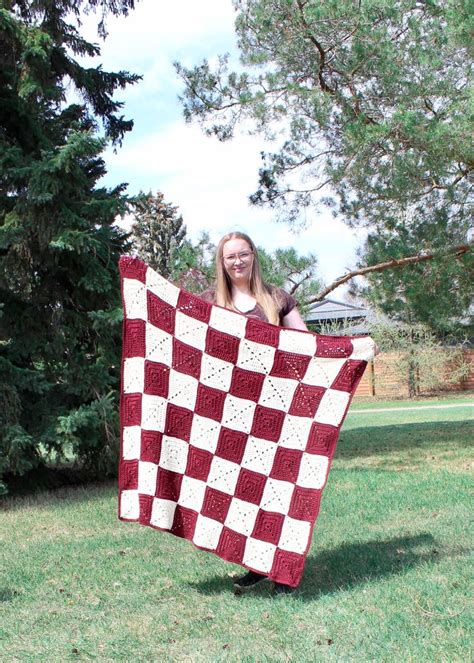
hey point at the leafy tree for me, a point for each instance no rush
(422, 361)
(60, 322)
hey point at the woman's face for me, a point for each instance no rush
(237, 258)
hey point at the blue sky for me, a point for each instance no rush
(209, 181)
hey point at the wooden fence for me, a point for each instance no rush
(382, 378)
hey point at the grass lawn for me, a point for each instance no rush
(386, 579)
(454, 398)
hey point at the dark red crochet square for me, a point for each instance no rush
(216, 504)
(250, 486)
(231, 545)
(221, 345)
(333, 346)
(267, 423)
(132, 268)
(194, 306)
(305, 503)
(260, 332)
(286, 464)
(268, 526)
(186, 359)
(231, 445)
(288, 566)
(178, 422)
(157, 377)
(151, 446)
(289, 365)
(210, 402)
(322, 439)
(246, 384)
(168, 484)
(349, 375)
(131, 409)
(184, 522)
(199, 463)
(128, 474)
(306, 400)
(160, 313)
(146, 505)
(134, 338)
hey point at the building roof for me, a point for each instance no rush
(332, 309)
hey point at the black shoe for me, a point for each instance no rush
(280, 588)
(248, 580)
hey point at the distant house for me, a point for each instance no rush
(330, 314)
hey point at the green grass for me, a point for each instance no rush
(386, 579)
(455, 398)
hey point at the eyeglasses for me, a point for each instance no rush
(243, 256)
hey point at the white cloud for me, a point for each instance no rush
(156, 28)
(209, 181)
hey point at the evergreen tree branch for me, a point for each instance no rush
(456, 252)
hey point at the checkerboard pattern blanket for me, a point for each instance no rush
(228, 424)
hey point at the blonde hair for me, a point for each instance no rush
(265, 295)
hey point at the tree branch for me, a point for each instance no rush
(297, 284)
(321, 52)
(457, 252)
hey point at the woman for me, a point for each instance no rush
(239, 286)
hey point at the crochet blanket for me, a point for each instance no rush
(228, 424)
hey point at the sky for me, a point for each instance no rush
(208, 181)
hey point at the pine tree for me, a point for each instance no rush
(372, 98)
(370, 108)
(60, 314)
(296, 273)
(158, 234)
(436, 293)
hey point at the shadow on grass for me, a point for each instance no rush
(370, 440)
(356, 563)
(60, 496)
(350, 564)
(49, 478)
